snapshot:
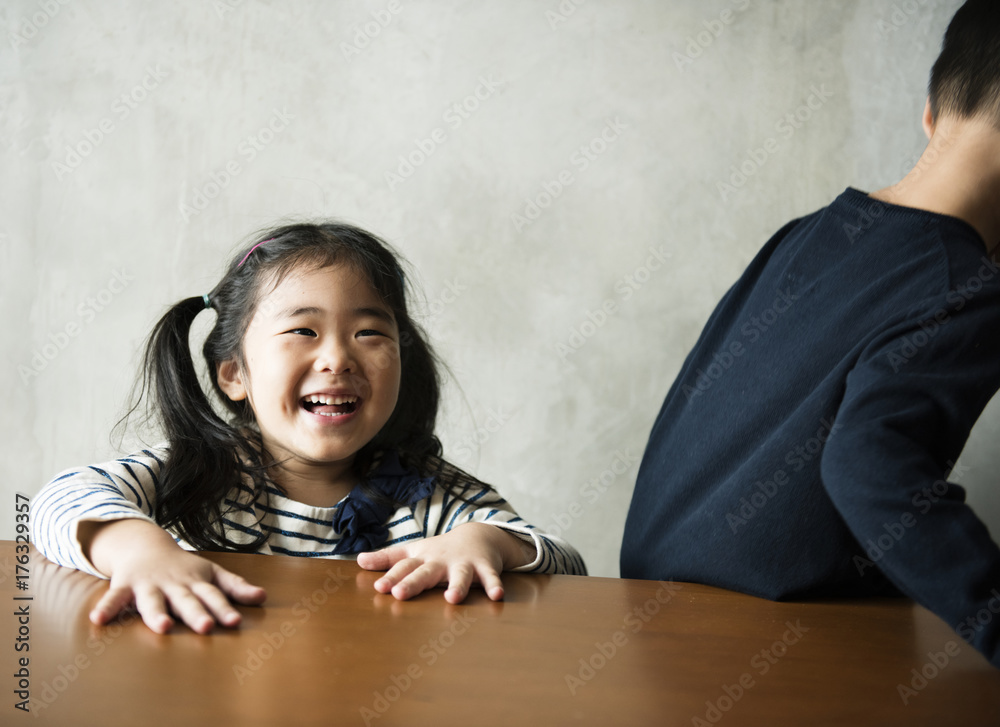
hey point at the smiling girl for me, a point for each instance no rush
(327, 450)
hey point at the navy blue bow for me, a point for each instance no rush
(362, 522)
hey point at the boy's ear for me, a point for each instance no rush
(231, 380)
(928, 119)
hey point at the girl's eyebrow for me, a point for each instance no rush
(301, 311)
(380, 313)
(365, 312)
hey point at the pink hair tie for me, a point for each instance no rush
(251, 251)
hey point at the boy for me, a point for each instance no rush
(804, 448)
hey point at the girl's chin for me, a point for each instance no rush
(312, 456)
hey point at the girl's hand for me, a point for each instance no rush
(151, 573)
(471, 553)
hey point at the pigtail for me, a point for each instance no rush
(202, 465)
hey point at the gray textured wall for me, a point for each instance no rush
(566, 220)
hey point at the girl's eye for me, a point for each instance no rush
(304, 332)
(370, 332)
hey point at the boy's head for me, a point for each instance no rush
(965, 80)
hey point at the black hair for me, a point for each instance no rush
(965, 79)
(210, 456)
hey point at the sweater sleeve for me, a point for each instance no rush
(122, 489)
(485, 505)
(907, 410)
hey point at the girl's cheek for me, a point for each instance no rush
(385, 359)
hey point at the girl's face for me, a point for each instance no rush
(321, 368)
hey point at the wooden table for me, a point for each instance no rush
(559, 650)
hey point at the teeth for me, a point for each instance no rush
(330, 400)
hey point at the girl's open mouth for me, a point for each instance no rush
(330, 406)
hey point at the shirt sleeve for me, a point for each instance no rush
(445, 511)
(118, 490)
(908, 407)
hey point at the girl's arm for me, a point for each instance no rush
(470, 541)
(485, 505)
(98, 519)
(122, 489)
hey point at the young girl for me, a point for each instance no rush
(329, 451)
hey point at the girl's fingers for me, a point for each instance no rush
(182, 586)
(151, 605)
(460, 578)
(397, 573)
(110, 605)
(380, 559)
(491, 582)
(188, 608)
(427, 575)
(217, 604)
(238, 588)
(412, 576)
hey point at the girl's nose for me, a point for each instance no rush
(335, 357)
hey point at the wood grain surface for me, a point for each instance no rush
(326, 649)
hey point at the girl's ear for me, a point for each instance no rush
(231, 380)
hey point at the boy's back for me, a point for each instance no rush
(837, 380)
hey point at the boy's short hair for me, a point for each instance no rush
(965, 80)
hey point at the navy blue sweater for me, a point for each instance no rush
(804, 448)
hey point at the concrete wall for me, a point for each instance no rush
(140, 142)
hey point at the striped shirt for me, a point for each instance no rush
(126, 488)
